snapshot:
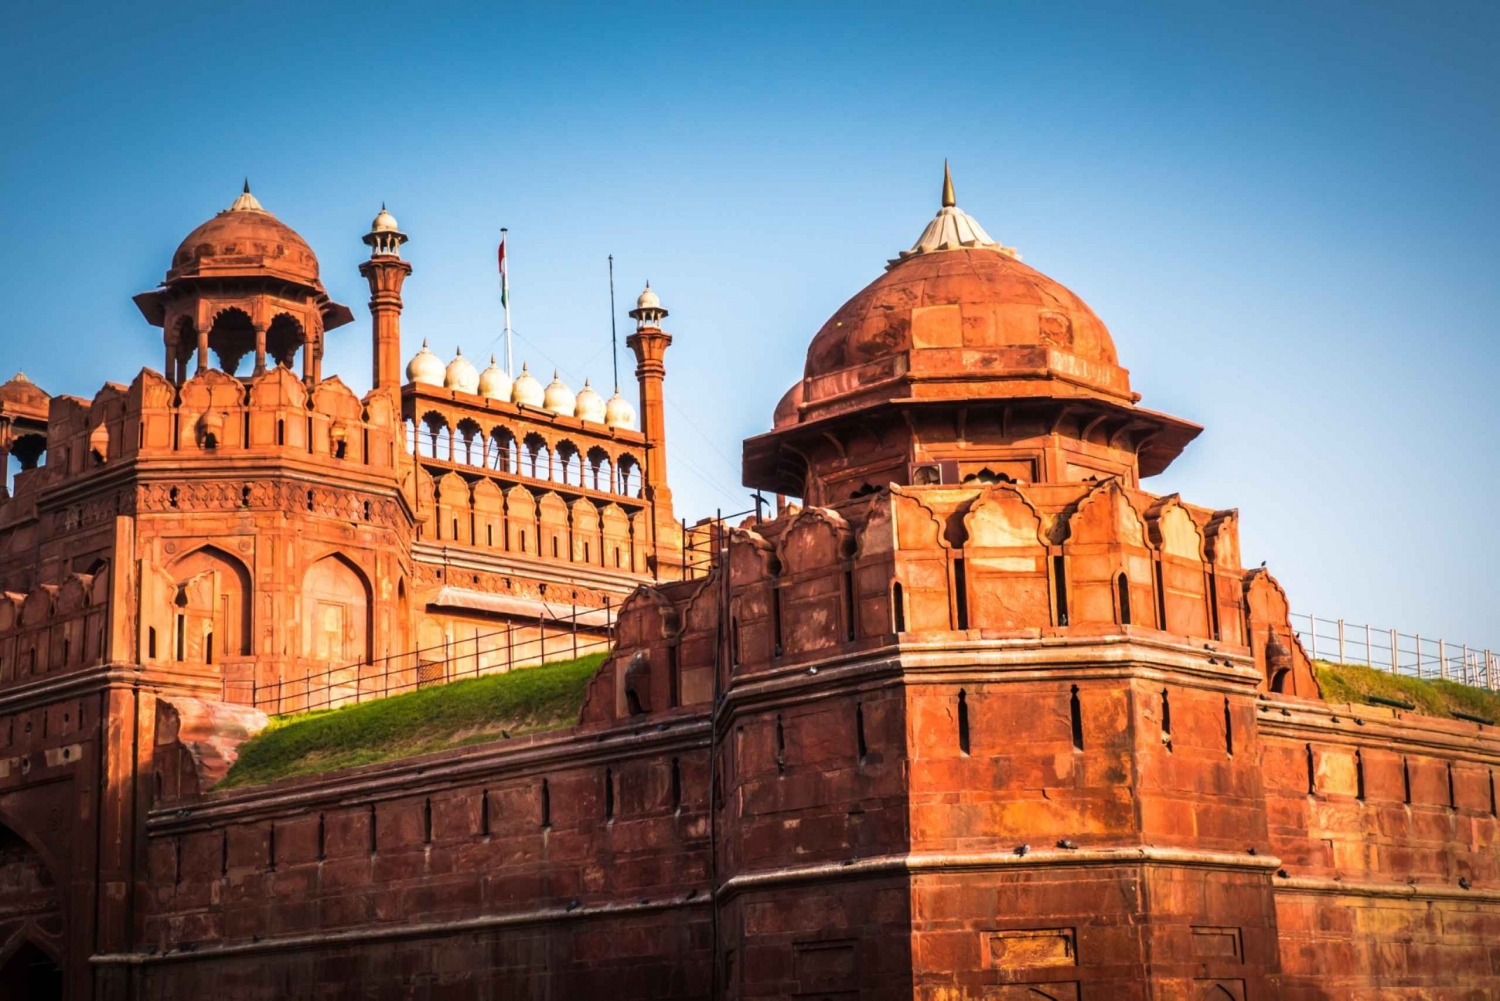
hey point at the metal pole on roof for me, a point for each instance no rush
(614, 344)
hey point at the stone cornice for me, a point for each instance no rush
(1389, 891)
(1379, 727)
(89, 681)
(951, 658)
(924, 863)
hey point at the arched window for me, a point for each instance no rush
(629, 481)
(601, 471)
(502, 451)
(1122, 589)
(469, 443)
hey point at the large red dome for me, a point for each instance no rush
(245, 239)
(979, 298)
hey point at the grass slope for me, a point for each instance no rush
(525, 700)
(1435, 697)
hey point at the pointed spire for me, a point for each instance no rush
(247, 185)
(948, 200)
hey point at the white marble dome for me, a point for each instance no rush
(526, 389)
(384, 222)
(618, 413)
(494, 383)
(425, 367)
(648, 299)
(559, 398)
(590, 405)
(461, 374)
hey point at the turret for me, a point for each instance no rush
(385, 271)
(650, 343)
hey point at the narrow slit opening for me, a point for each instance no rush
(780, 747)
(963, 721)
(1060, 587)
(960, 594)
(1075, 711)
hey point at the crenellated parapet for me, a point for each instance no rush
(998, 562)
(54, 628)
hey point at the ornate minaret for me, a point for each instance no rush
(385, 271)
(650, 343)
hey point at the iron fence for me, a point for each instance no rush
(515, 645)
(1399, 653)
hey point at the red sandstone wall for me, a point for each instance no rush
(573, 891)
(1374, 848)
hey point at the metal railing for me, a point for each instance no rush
(514, 645)
(1410, 654)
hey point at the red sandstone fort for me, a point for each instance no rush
(981, 717)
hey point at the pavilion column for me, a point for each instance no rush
(260, 350)
(202, 351)
(170, 369)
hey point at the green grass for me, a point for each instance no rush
(1435, 697)
(526, 700)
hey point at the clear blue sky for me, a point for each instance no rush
(1287, 217)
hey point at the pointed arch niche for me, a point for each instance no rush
(335, 612)
(210, 607)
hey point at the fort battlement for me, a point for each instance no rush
(973, 715)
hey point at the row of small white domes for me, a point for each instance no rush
(460, 374)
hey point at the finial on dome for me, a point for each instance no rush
(952, 229)
(245, 201)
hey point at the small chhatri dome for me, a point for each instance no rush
(384, 237)
(618, 413)
(494, 383)
(648, 310)
(559, 398)
(384, 221)
(952, 229)
(461, 374)
(425, 367)
(526, 389)
(590, 405)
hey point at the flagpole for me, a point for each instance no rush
(614, 347)
(510, 368)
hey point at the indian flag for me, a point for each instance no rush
(504, 274)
